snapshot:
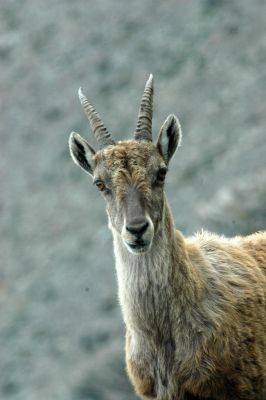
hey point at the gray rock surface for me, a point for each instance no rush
(61, 332)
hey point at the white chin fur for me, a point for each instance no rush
(137, 251)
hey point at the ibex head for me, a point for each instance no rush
(130, 174)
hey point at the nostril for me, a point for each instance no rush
(137, 229)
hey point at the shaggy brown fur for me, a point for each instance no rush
(224, 355)
(194, 308)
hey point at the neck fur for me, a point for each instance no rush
(148, 282)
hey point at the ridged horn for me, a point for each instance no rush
(144, 125)
(102, 135)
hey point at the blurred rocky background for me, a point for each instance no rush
(61, 332)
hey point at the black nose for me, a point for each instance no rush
(137, 228)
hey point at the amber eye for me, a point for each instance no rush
(100, 185)
(161, 174)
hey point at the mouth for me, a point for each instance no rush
(138, 246)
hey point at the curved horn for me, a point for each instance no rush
(144, 125)
(102, 135)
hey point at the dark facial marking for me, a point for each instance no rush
(134, 206)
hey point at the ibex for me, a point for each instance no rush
(194, 308)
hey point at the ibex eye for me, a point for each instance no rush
(161, 174)
(100, 185)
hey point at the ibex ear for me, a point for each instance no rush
(169, 137)
(81, 152)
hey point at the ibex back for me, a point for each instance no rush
(194, 308)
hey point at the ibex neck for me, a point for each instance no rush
(148, 282)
